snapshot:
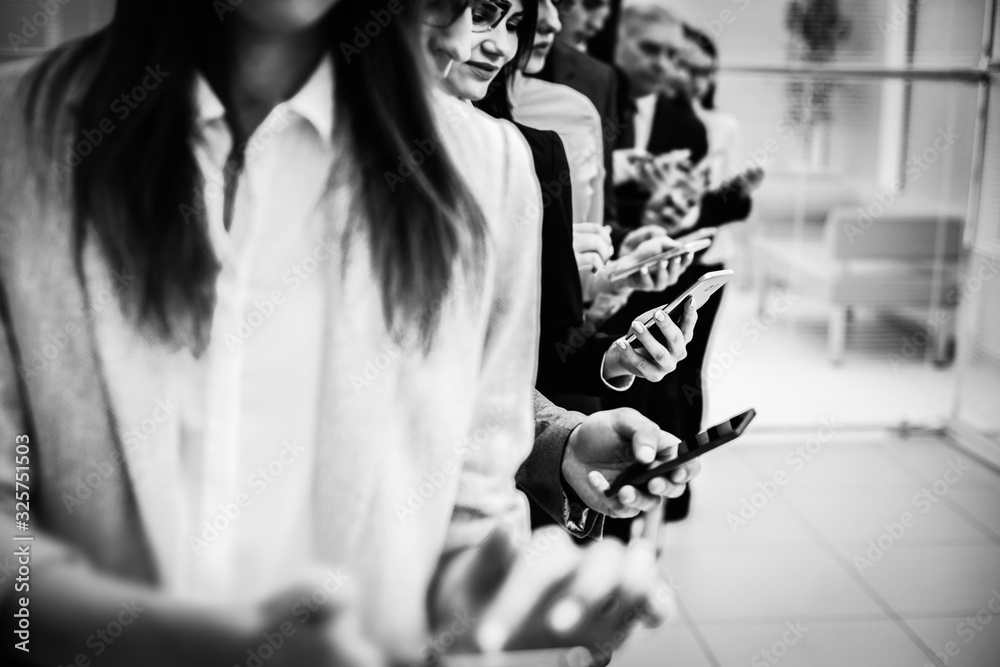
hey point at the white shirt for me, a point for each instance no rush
(643, 121)
(550, 106)
(249, 445)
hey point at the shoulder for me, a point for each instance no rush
(480, 145)
(15, 128)
(470, 134)
(13, 77)
(492, 156)
(70, 65)
(566, 96)
(27, 86)
(546, 149)
(553, 105)
(582, 64)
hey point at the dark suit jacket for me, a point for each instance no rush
(597, 81)
(570, 352)
(569, 355)
(725, 205)
(540, 475)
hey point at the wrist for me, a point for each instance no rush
(569, 458)
(611, 368)
(568, 472)
(596, 285)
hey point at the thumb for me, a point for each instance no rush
(667, 447)
(639, 431)
(648, 232)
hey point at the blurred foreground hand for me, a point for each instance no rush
(548, 593)
(318, 624)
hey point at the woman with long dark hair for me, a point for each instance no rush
(264, 315)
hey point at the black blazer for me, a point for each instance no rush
(570, 352)
(724, 205)
(598, 82)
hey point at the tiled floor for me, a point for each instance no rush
(845, 564)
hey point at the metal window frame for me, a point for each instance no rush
(983, 75)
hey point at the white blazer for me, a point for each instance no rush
(552, 106)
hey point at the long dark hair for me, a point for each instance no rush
(497, 100)
(139, 190)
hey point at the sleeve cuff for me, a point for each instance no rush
(578, 519)
(617, 384)
(575, 525)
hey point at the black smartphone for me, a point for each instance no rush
(699, 291)
(715, 437)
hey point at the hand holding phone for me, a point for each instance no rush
(654, 355)
(723, 433)
(519, 602)
(591, 245)
(698, 293)
(634, 263)
(604, 445)
(668, 170)
(647, 270)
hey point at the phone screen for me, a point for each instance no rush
(713, 438)
(700, 291)
(691, 246)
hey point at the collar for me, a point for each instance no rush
(313, 102)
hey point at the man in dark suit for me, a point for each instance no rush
(656, 118)
(654, 99)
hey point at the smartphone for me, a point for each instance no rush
(715, 437)
(670, 253)
(700, 290)
(553, 657)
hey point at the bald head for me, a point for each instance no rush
(650, 41)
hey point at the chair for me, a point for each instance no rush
(901, 261)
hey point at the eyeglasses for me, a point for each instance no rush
(486, 14)
(654, 49)
(699, 71)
